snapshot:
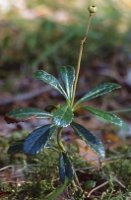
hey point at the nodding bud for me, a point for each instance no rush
(92, 9)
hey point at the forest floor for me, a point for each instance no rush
(25, 177)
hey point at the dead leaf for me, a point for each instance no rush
(87, 153)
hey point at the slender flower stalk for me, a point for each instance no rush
(92, 10)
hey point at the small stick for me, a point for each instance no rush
(121, 184)
(96, 188)
(6, 167)
(25, 96)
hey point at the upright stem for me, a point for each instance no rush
(80, 57)
(60, 144)
(59, 140)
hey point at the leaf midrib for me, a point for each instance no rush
(64, 113)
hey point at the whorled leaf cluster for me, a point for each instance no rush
(63, 116)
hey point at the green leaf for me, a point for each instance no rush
(58, 191)
(17, 147)
(27, 113)
(110, 117)
(63, 116)
(38, 139)
(51, 80)
(98, 91)
(68, 77)
(65, 167)
(93, 142)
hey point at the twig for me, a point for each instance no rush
(6, 167)
(121, 110)
(111, 159)
(105, 161)
(97, 188)
(117, 181)
(25, 96)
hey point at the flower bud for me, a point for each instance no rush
(92, 9)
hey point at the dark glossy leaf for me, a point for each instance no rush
(110, 117)
(58, 191)
(93, 142)
(38, 139)
(99, 91)
(51, 80)
(63, 116)
(65, 167)
(17, 147)
(27, 113)
(68, 77)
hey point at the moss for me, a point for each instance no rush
(40, 174)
